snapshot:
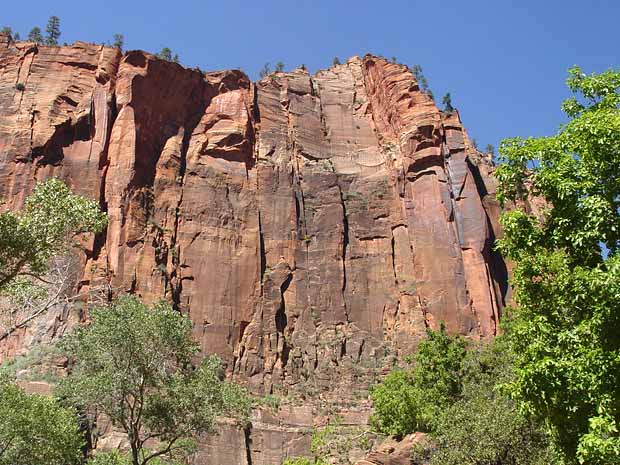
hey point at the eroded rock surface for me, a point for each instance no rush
(312, 227)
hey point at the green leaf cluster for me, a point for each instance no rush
(133, 363)
(484, 426)
(410, 400)
(458, 397)
(51, 219)
(303, 461)
(566, 328)
(36, 430)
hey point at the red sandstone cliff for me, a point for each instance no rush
(308, 225)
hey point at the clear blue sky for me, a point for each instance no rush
(504, 61)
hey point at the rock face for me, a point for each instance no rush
(312, 227)
(392, 452)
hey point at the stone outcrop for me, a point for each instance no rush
(312, 227)
(393, 452)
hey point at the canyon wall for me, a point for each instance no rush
(311, 226)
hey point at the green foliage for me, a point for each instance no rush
(36, 365)
(567, 292)
(419, 77)
(410, 400)
(303, 461)
(20, 87)
(117, 458)
(458, 397)
(279, 67)
(119, 40)
(166, 54)
(35, 35)
(35, 430)
(133, 363)
(52, 31)
(489, 149)
(484, 426)
(52, 217)
(332, 443)
(447, 103)
(109, 458)
(269, 400)
(336, 61)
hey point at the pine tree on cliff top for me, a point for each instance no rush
(52, 30)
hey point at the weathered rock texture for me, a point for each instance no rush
(311, 226)
(392, 452)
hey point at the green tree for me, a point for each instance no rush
(52, 218)
(7, 30)
(567, 270)
(279, 67)
(417, 72)
(447, 103)
(16, 37)
(484, 426)
(336, 61)
(52, 31)
(119, 41)
(35, 35)
(410, 400)
(458, 397)
(35, 430)
(489, 149)
(133, 364)
(51, 222)
(165, 54)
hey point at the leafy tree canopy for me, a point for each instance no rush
(119, 40)
(35, 35)
(35, 430)
(457, 396)
(166, 54)
(567, 270)
(133, 363)
(410, 400)
(52, 217)
(484, 425)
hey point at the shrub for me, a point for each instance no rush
(20, 87)
(410, 400)
(35, 430)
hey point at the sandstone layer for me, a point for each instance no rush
(312, 227)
